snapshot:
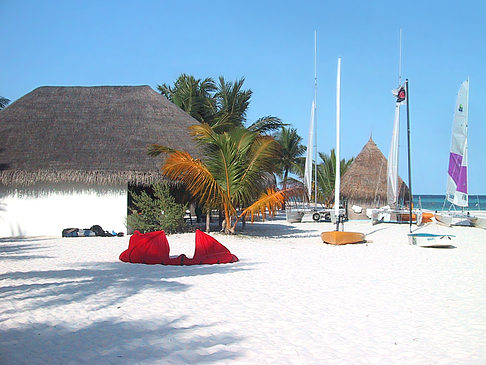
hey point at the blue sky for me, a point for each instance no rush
(271, 44)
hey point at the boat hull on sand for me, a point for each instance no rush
(480, 222)
(430, 240)
(426, 217)
(294, 216)
(455, 219)
(342, 238)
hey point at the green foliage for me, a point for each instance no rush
(222, 104)
(3, 102)
(160, 212)
(291, 152)
(326, 175)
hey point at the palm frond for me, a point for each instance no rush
(266, 124)
(199, 181)
(156, 149)
(3, 102)
(270, 201)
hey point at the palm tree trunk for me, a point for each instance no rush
(284, 183)
(208, 221)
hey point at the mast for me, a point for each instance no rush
(410, 196)
(466, 158)
(392, 165)
(315, 119)
(400, 61)
(337, 184)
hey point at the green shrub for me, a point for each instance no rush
(160, 212)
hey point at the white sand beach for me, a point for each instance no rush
(289, 300)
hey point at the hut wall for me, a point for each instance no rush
(46, 212)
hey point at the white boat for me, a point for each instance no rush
(430, 240)
(457, 194)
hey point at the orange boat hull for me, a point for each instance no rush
(342, 238)
(426, 217)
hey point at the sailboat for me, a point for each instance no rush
(393, 212)
(338, 237)
(295, 214)
(457, 194)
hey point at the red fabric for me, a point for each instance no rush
(147, 248)
(153, 248)
(210, 251)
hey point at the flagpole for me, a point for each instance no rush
(410, 195)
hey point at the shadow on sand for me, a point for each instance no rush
(114, 342)
(62, 287)
(19, 249)
(273, 230)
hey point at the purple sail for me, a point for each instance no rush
(457, 172)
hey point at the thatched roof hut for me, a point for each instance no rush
(364, 182)
(88, 135)
(68, 155)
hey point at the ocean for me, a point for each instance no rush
(436, 202)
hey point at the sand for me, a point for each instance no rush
(289, 300)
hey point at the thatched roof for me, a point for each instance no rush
(89, 135)
(365, 180)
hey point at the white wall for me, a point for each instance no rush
(47, 211)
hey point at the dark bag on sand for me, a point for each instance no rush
(70, 232)
(100, 232)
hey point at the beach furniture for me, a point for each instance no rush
(153, 248)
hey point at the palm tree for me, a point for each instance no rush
(290, 154)
(192, 95)
(233, 174)
(326, 174)
(3, 102)
(223, 106)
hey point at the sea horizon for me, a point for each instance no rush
(438, 202)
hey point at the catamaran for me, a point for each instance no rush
(338, 237)
(395, 211)
(296, 212)
(457, 194)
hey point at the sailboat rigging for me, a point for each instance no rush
(295, 215)
(393, 212)
(312, 140)
(338, 237)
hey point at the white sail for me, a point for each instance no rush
(392, 177)
(457, 174)
(310, 152)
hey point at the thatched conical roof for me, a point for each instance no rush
(90, 135)
(365, 180)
